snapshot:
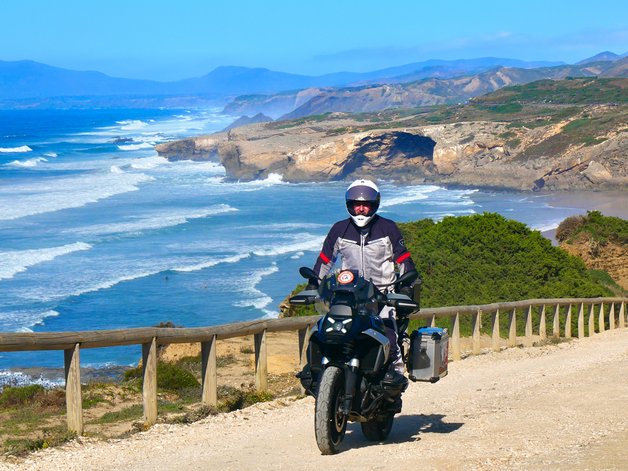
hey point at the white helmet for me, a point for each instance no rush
(362, 190)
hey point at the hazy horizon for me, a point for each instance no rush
(159, 42)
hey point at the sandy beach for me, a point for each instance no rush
(609, 203)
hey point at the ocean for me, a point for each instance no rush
(98, 232)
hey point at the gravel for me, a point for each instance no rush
(559, 406)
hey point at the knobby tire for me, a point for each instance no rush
(329, 424)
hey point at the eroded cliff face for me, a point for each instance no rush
(611, 257)
(488, 154)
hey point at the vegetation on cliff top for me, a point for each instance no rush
(595, 226)
(487, 258)
(533, 105)
(521, 104)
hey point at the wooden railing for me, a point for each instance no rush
(150, 338)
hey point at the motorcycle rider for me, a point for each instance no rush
(372, 245)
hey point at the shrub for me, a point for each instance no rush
(596, 226)
(169, 377)
(20, 395)
(240, 398)
(568, 227)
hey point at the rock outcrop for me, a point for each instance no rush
(487, 154)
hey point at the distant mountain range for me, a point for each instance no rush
(424, 92)
(32, 84)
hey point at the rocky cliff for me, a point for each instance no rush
(507, 145)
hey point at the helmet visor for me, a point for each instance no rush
(361, 208)
(362, 193)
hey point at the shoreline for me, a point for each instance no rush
(608, 202)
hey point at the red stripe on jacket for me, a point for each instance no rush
(325, 258)
(402, 257)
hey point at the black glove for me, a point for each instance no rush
(312, 284)
(407, 290)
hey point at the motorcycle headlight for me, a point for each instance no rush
(338, 325)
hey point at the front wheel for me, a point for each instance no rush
(379, 428)
(330, 424)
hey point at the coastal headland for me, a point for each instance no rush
(521, 138)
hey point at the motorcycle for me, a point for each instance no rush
(348, 356)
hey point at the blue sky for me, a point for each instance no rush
(169, 40)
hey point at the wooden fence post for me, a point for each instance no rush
(611, 317)
(496, 337)
(477, 318)
(542, 324)
(512, 329)
(600, 319)
(568, 323)
(581, 321)
(592, 320)
(622, 315)
(303, 344)
(209, 373)
(261, 365)
(528, 338)
(149, 389)
(556, 322)
(73, 398)
(454, 340)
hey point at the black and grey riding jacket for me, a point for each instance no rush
(372, 250)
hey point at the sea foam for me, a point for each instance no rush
(17, 201)
(211, 263)
(17, 261)
(409, 195)
(29, 163)
(155, 220)
(24, 320)
(132, 124)
(18, 379)
(11, 150)
(254, 297)
(311, 243)
(143, 145)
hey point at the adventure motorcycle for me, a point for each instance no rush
(348, 356)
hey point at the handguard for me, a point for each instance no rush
(304, 297)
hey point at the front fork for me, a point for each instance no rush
(351, 377)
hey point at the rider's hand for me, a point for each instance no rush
(312, 284)
(407, 290)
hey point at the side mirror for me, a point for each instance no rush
(307, 272)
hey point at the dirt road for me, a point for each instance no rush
(563, 406)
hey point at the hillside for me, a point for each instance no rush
(600, 241)
(431, 88)
(554, 135)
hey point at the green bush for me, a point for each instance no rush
(234, 399)
(601, 228)
(487, 258)
(20, 395)
(169, 377)
(569, 227)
